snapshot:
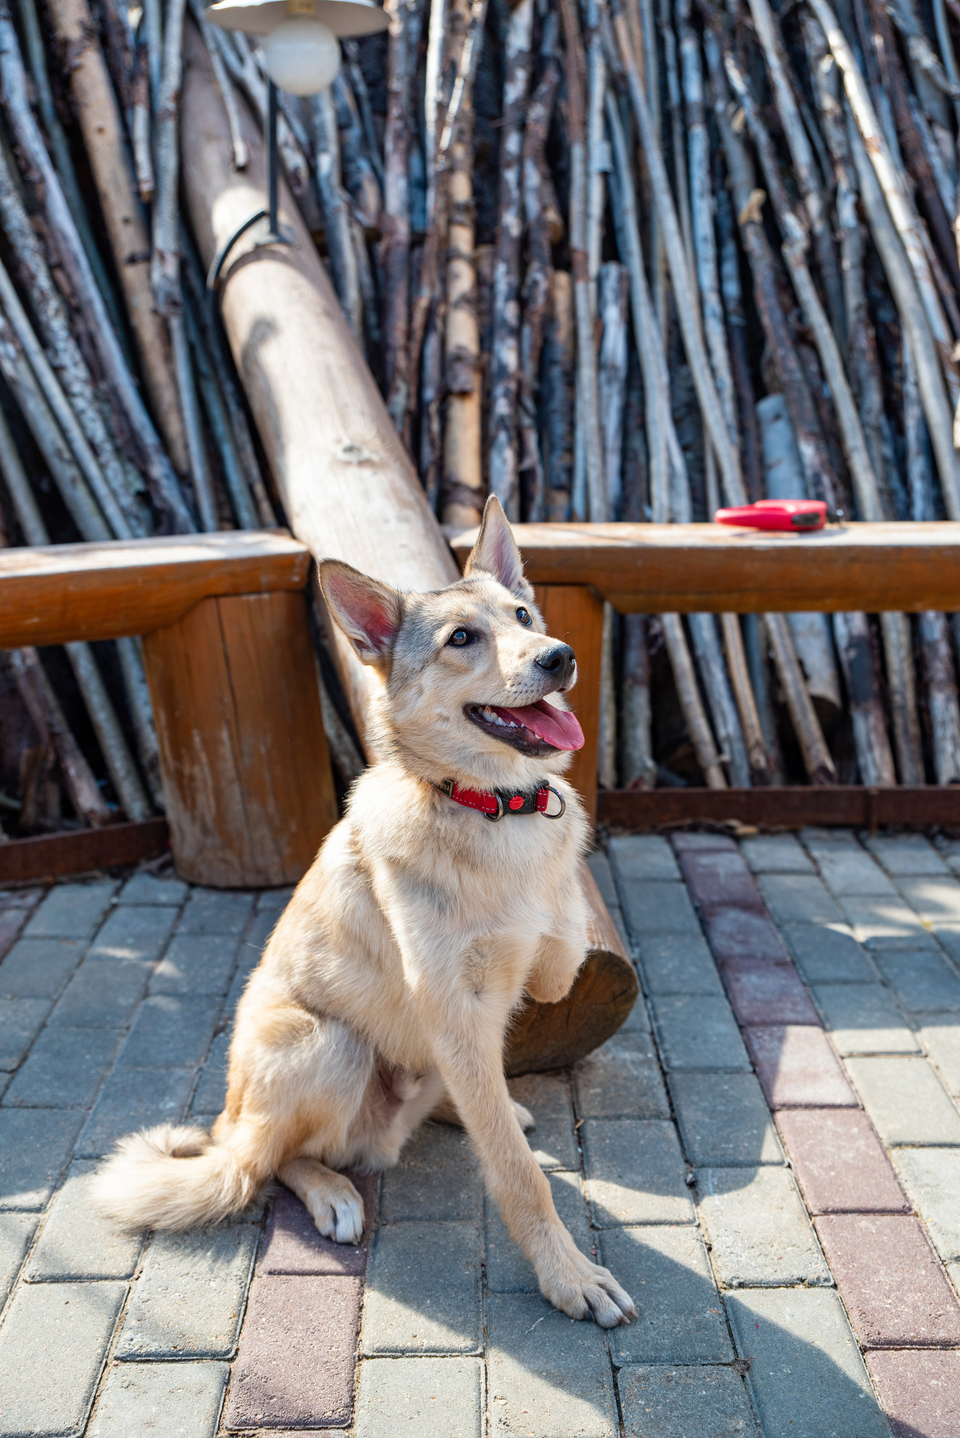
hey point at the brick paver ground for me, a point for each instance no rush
(767, 1155)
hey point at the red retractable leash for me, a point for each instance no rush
(789, 514)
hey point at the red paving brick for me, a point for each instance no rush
(797, 1067)
(839, 1161)
(736, 934)
(718, 880)
(296, 1360)
(892, 1284)
(695, 843)
(293, 1244)
(765, 993)
(919, 1392)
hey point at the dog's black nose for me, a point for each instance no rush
(559, 662)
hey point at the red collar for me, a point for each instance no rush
(494, 803)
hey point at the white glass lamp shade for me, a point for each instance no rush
(302, 56)
(258, 17)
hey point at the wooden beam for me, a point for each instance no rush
(846, 805)
(102, 591)
(48, 856)
(246, 773)
(573, 613)
(692, 568)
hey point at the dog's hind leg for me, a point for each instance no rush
(331, 1199)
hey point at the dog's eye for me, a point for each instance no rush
(524, 616)
(459, 638)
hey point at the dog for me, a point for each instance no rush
(447, 891)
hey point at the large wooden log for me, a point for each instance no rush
(347, 484)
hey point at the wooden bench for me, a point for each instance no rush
(231, 666)
(232, 674)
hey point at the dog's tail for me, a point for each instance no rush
(172, 1177)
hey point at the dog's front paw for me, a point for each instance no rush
(337, 1211)
(525, 1118)
(590, 1291)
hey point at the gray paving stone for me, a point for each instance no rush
(635, 1172)
(20, 1022)
(906, 854)
(758, 1228)
(34, 1146)
(935, 899)
(724, 1120)
(546, 1375)
(153, 889)
(211, 1093)
(58, 1333)
(134, 933)
(599, 866)
(678, 964)
(215, 911)
(164, 1400)
(863, 1019)
(682, 1402)
(658, 908)
(922, 980)
(619, 1080)
(699, 1033)
(828, 954)
(667, 1274)
(423, 1290)
(196, 964)
(854, 872)
(931, 1177)
(65, 1068)
(941, 1039)
(948, 935)
(76, 1241)
(798, 899)
(438, 1177)
(274, 901)
(420, 1398)
(775, 854)
(134, 1099)
(38, 968)
(256, 934)
(16, 1231)
(188, 1301)
(508, 1271)
(71, 911)
(171, 1031)
(821, 838)
(641, 858)
(103, 993)
(548, 1098)
(806, 1374)
(880, 923)
(949, 851)
(906, 1101)
(248, 961)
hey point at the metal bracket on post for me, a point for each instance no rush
(274, 235)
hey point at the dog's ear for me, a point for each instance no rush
(368, 612)
(496, 552)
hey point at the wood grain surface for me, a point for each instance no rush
(246, 770)
(103, 591)
(695, 568)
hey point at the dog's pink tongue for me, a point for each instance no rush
(554, 726)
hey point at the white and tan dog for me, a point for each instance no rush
(388, 985)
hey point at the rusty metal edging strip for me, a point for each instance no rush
(49, 856)
(847, 806)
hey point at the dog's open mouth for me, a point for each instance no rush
(535, 729)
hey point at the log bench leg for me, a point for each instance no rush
(246, 772)
(574, 613)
